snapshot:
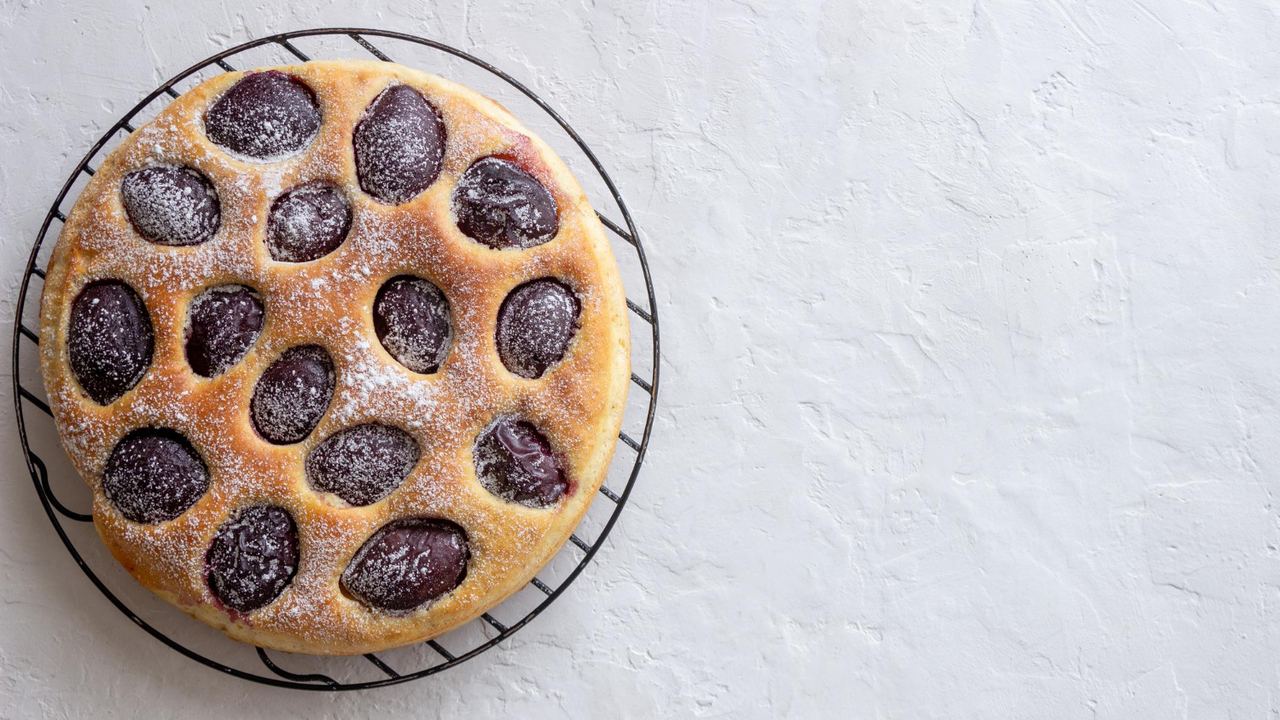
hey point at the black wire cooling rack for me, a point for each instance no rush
(492, 631)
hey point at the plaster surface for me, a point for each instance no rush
(970, 396)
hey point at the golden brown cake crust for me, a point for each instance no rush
(577, 404)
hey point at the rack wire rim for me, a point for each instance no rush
(317, 682)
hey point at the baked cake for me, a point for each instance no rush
(341, 350)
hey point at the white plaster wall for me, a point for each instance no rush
(971, 325)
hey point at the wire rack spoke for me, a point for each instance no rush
(369, 46)
(616, 230)
(644, 385)
(377, 662)
(541, 586)
(296, 52)
(297, 677)
(30, 397)
(621, 225)
(494, 622)
(644, 314)
(44, 485)
(441, 651)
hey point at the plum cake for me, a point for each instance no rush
(340, 349)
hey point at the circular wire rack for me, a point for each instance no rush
(574, 556)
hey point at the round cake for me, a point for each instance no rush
(341, 350)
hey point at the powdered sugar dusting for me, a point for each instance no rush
(515, 462)
(154, 475)
(109, 340)
(500, 205)
(411, 319)
(408, 563)
(222, 324)
(253, 557)
(399, 145)
(535, 326)
(307, 223)
(267, 116)
(363, 464)
(292, 395)
(171, 205)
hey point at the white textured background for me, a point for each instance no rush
(971, 397)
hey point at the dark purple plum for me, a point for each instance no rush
(223, 324)
(109, 340)
(363, 464)
(171, 205)
(153, 475)
(307, 223)
(399, 145)
(536, 323)
(407, 564)
(266, 116)
(411, 319)
(500, 205)
(292, 395)
(253, 557)
(515, 462)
